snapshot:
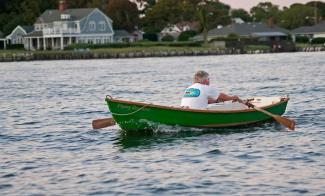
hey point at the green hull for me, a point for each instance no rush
(135, 116)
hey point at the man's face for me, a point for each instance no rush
(207, 81)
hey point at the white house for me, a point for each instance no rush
(58, 28)
(176, 29)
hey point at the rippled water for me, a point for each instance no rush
(48, 146)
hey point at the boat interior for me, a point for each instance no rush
(258, 101)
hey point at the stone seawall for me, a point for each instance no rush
(69, 55)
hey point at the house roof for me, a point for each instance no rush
(247, 29)
(319, 28)
(55, 15)
(122, 33)
(1, 34)
(28, 29)
(35, 34)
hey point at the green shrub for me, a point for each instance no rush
(167, 38)
(186, 35)
(184, 44)
(318, 40)
(303, 40)
(150, 36)
(97, 46)
(134, 44)
(15, 46)
(257, 47)
(232, 36)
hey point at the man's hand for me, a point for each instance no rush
(247, 102)
(235, 98)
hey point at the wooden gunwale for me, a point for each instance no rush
(283, 100)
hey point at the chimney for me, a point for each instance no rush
(62, 5)
(270, 22)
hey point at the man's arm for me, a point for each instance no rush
(223, 97)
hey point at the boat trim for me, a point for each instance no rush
(140, 104)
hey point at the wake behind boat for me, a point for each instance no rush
(137, 116)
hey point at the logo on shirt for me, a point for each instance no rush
(192, 92)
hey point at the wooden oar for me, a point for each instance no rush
(290, 124)
(102, 123)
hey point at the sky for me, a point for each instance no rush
(247, 4)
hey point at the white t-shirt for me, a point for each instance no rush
(197, 96)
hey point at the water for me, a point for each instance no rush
(48, 146)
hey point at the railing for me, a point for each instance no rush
(55, 31)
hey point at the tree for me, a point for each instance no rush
(145, 4)
(100, 4)
(241, 13)
(202, 15)
(21, 12)
(125, 14)
(297, 15)
(320, 6)
(218, 14)
(164, 13)
(265, 10)
(211, 14)
(77, 3)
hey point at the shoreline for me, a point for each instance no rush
(14, 56)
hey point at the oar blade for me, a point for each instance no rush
(290, 124)
(102, 123)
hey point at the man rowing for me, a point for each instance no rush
(200, 93)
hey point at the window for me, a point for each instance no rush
(102, 26)
(92, 26)
(65, 26)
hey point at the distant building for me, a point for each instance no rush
(309, 31)
(237, 20)
(123, 36)
(176, 29)
(261, 31)
(55, 29)
(138, 35)
(17, 35)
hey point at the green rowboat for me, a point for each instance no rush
(136, 116)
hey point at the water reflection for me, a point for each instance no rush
(169, 134)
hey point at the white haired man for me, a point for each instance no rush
(200, 94)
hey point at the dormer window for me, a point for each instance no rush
(65, 16)
(92, 26)
(102, 26)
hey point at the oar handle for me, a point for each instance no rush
(102, 123)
